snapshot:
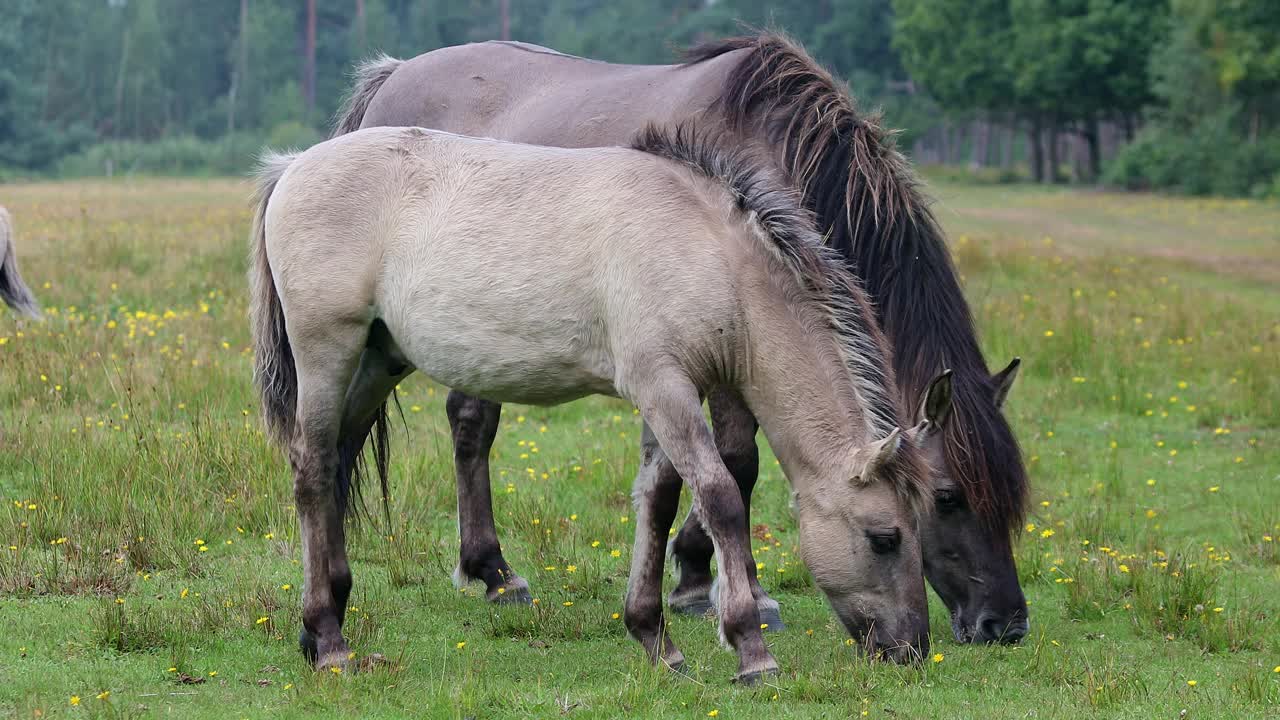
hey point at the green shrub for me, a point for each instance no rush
(1210, 159)
(293, 136)
(180, 155)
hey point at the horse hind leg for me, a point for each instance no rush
(692, 551)
(735, 434)
(474, 424)
(325, 364)
(656, 494)
(381, 368)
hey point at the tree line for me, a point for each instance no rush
(1181, 94)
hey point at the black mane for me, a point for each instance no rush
(869, 202)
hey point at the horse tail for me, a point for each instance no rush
(276, 375)
(353, 466)
(369, 77)
(273, 371)
(13, 290)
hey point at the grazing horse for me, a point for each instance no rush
(13, 291)
(530, 274)
(767, 93)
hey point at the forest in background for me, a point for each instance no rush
(1170, 94)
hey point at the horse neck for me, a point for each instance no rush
(799, 389)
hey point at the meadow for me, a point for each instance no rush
(149, 551)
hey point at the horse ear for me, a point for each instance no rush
(935, 408)
(869, 460)
(1003, 380)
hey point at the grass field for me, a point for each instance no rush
(149, 554)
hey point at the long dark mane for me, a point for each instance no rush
(821, 278)
(869, 202)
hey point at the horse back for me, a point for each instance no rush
(527, 262)
(523, 93)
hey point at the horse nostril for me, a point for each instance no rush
(995, 629)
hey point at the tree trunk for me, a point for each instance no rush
(1094, 166)
(1037, 152)
(121, 74)
(944, 144)
(981, 142)
(1106, 141)
(362, 38)
(242, 65)
(309, 59)
(48, 73)
(1051, 172)
(1006, 146)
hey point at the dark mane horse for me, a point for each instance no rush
(869, 202)
(768, 93)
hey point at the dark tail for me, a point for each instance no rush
(353, 467)
(273, 368)
(369, 76)
(13, 290)
(277, 377)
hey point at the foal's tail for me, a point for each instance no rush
(276, 375)
(13, 290)
(369, 77)
(273, 368)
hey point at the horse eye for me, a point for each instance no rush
(946, 499)
(883, 542)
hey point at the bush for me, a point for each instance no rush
(1212, 158)
(180, 155)
(292, 136)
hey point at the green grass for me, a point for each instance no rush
(147, 539)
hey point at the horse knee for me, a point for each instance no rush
(722, 510)
(313, 482)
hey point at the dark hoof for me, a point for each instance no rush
(771, 619)
(753, 679)
(307, 642)
(697, 608)
(512, 596)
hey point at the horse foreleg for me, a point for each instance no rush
(656, 494)
(474, 423)
(671, 406)
(735, 433)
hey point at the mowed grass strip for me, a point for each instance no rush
(149, 553)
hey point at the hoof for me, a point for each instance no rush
(771, 618)
(336, 663)
(758, 677)
(307, 643)
(513, 593)
(676, 664)
(696, 606)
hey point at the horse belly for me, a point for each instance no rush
(502, 336)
